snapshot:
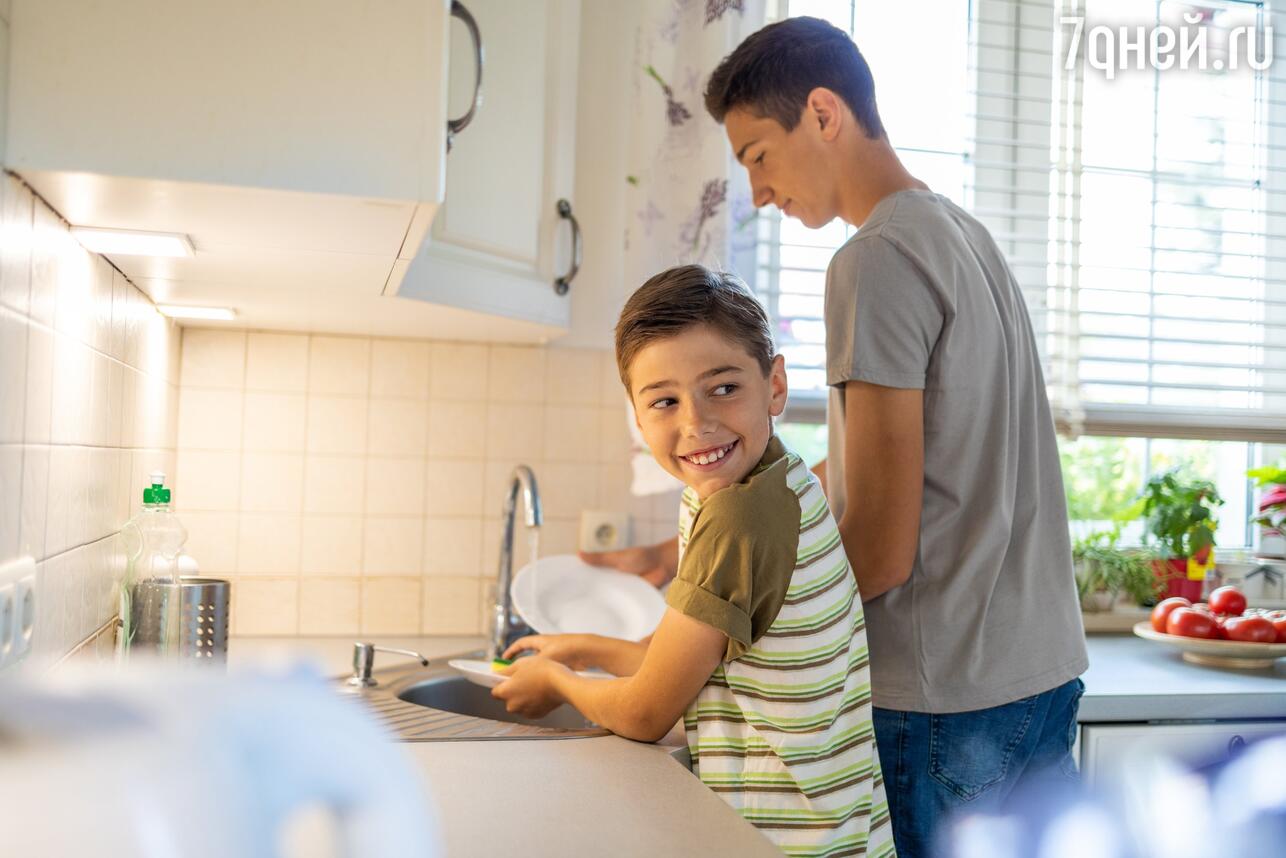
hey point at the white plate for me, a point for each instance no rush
(564, 595)
(1216, 653)
(477, 672)
(480, 672)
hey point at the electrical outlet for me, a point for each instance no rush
(17, 609)
(604, 531)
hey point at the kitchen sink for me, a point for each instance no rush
(437, 704)
(459, 695)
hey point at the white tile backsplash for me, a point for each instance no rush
(88, 396)
(397, 454)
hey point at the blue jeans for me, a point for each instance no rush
(936, 765)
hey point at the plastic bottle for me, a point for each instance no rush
(153, 540)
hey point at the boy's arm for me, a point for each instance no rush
(678, 662)
(618, 657)
(884, 476)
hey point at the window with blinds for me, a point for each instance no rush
(1144, 214)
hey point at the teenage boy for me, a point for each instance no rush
(761, 650)
(943, 468)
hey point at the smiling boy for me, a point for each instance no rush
(762, 649)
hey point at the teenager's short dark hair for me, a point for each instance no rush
(678, 298)
(771, 73)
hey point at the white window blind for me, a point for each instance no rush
(1144, 215)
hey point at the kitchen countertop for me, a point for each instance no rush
(543, 797)
(567, 797)
(1131, 679)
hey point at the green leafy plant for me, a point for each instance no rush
(1271, 512)
(1102, 566)
(1179, 514)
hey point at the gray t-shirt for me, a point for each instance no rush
(922, 298)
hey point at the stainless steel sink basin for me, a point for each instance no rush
(437, 704)
(459, 695)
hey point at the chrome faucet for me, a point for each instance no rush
(505, 627)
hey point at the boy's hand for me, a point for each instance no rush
(571, 650)
(655, 564)
(529, 691)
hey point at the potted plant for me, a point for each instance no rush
(1105, 571)
(1271, 511)
(1179, 516)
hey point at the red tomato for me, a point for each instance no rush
(1251, 630)
(1190, 623)
(1228, 600)
(1221, 629)
(1164, 608)
(1203, 608)
(1279, 623)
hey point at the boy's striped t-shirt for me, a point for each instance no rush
(782, 731)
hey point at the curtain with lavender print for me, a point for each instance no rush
(687, 199)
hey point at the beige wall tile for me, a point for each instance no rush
(612, 391)
(49, 238)
(572, 433)
(339, 365)
(453, 547)
(452, 606)
(210, 419)
(267, 607)
(393, 546)
(213, 358)
(515, 432)
(207, 480)
(568, 488)
(390, 606)
(398, 427)
(458, 372)
(13, 375)
(329, 606)
(573, 376)
(274, 422)
(395, 486)
(272, 482)
(400, 368)
(10, 499)
(457, 429)
(454, 487)
(212, 540)
(516, 374)
(277, 362)
(40, 384)
(614, 433)
(268, 544)
(336, 425)
(557, 536)
(334, 484)
(332, 545)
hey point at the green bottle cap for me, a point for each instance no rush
(156, 493)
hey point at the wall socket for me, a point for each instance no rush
(17, 609)
(604, 531)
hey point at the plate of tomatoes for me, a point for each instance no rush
(1220, 633)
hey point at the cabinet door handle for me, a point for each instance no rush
(455, 126)
(562, 284)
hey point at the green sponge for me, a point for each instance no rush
(498, 663)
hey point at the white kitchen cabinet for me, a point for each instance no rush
(498, 243)
(1106, 749)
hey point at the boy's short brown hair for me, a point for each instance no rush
(678, 298)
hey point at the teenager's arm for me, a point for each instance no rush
(678, 662)
(656, 564)
(884, 479)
